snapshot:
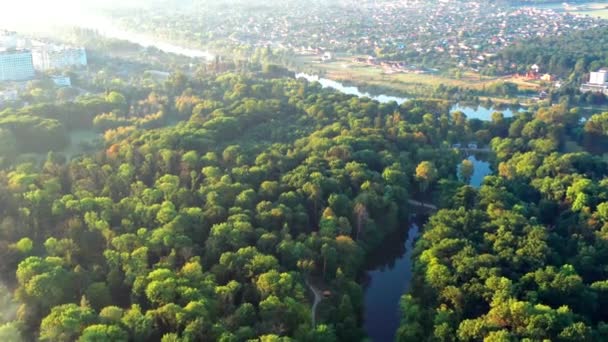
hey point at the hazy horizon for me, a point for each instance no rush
(36, 14)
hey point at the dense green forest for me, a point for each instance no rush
(524, 257)
(226, 200)
(212, 204)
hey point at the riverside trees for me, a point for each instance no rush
(524, 257)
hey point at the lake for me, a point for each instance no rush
(481, 113)
(478, 112)
(389, 271)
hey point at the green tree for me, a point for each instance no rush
(66, 322)
(102, 332)
(466, 171)
(426, 174)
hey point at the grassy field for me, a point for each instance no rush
(597, 9)
(343, 69)
(597, 13)
(593, 9)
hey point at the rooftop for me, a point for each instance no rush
(13, 51)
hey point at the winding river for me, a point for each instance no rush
(106, 28)
(478, 112)
(388, 277)
(350, 90)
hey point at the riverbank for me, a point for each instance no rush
(472, 112)
(472, 88)
(342, 68)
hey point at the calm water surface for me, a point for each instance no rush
(478, 112)
(389, 277)
(481, 169)
(389, 272)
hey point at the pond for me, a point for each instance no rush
(482, 113)
(82, 141)
(478, 112)
(481, 169)
(389, 271)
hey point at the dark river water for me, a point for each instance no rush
(389, 276)
(389, 271)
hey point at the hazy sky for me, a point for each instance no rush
(20, 13)
(36, 12)
(31, 15)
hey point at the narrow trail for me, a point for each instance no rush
(317, 300)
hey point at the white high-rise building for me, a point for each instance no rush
(16, 65)
(599, 77)
(58, 57)
(598, 82)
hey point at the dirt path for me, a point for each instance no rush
(317, 300)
